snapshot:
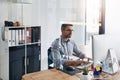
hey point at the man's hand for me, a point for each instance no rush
(82, 56)
(79, 62)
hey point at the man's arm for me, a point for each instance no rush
(77, 51)
(74, 62)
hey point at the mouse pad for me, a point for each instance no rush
(70, 72)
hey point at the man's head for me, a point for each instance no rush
(66, 30)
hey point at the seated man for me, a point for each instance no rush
(63, 47)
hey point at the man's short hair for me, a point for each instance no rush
(63, 26)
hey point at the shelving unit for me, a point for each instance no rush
(22, 51)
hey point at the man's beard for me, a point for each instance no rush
(68, 36)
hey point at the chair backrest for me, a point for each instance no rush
(50, 58)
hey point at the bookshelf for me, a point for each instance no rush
(22, 52)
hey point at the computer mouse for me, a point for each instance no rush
(69, 68)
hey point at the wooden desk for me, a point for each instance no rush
(53, 74)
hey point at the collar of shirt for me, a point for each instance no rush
(62, 40)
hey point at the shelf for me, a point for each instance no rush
(13, 27)
(33, 43)
(26, 44)
(17, 45)
(19, 27)
(23, 35)
(22, 51)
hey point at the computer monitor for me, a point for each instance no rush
(101, 44)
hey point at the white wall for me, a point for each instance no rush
(12, 12)
(112, 17)
(78, 35)
(3, 11)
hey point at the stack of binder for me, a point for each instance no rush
(16, 37)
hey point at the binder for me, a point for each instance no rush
(9, 37)
(23, 36)
(17, 38)
(13, 37)
(20, 36)
(28, 35)
(35, 34)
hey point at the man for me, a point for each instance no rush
(64, 47)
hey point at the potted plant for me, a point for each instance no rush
(85, 75)
(85, 71)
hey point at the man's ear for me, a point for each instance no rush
(62, 30)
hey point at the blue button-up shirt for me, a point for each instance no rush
(63, 50)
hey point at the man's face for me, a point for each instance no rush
(67, 32)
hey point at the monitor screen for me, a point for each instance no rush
(101, 44)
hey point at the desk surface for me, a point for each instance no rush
(53, 74)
